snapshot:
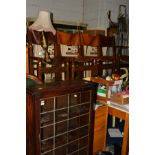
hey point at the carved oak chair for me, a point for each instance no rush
(107, 59)
(85, 65)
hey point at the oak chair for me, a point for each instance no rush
(56, 69)
(107, 58)
(85, 65)
(122, 57)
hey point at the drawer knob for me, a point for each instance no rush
(75, 95)
(42, 103)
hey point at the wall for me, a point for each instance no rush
(67, 10)
(93, 12)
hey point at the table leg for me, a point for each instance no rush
(125, 145)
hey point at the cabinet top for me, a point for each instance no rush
(61, 86)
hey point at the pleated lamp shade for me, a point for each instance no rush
(43, 23)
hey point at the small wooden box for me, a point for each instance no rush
(120, 99)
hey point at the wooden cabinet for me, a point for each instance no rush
(59, 118)
(100, 127)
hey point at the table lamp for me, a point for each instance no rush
(43, 24)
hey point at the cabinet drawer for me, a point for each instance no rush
(85, 108)
(46, 104)
(85, 96)
(48, 153)
(47, 132)
(61, 127)
(83, 142)
(46, 119)
(61, 115)
(73, 146)
(74, 111)
(61, 140)
(47, 145)
(61, 102)
(83, 131)
(74, 99)
(84, 151)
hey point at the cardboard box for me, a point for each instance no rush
(124, 99)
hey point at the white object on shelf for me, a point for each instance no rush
(115, 133)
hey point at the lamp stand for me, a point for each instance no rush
(45, 48)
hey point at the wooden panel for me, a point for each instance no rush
(100, 129)
(125, 145)
(125, 116)
(29, 126)
(27, 61)
(115, 112)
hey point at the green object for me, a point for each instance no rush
(30, 82)
(101, 92)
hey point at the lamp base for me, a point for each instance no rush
(47, 57)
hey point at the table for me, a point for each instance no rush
(120, 111)
(114, 109)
